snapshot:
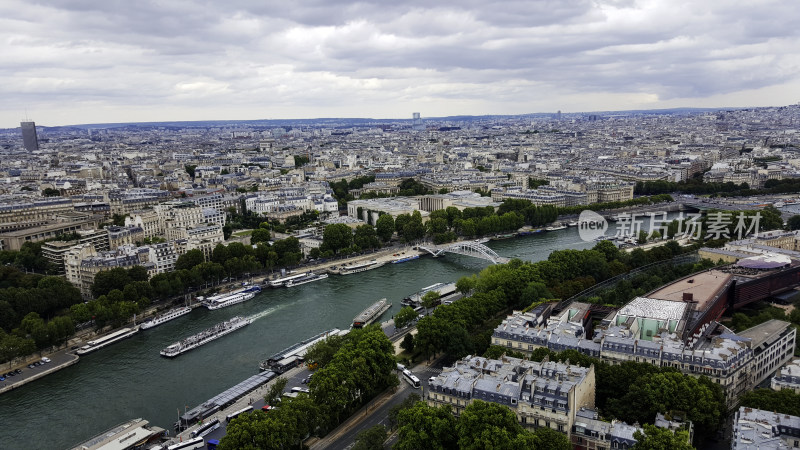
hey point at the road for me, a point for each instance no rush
(344, 436)
(58, 360)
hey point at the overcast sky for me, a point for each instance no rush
(87, 61)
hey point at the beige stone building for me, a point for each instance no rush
(541, 394)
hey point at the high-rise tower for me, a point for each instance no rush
(29, 138)
(416, 122)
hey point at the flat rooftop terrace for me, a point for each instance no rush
(766, 332)
(702, 286)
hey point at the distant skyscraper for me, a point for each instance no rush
(29, 138)
(416, 122)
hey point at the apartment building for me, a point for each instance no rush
(162, 255)
(124, 202)
(201, 237)
(33, 211)
(756, 429)
(787, 377)
(176, 215)
(83, 262)
(541, 394)
(148, 220)
(119, 236)
(648, 330)
(591, 433)
(13, 240)
(56, 251)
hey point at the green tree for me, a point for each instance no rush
(365, 237)
(322, 352)
(336, 237)
(466, 284)
(437, 225)
(702, 400)
(118, 220)
(655, 438)
(220, 254)
(642, 238)
(371, 439)
(50, 192)
(414, 228)
(794, 222)
(550, 439)
(300, 161)
(423, 426)
(189, 259)
(107, 280)
(770, 219)
(784, 401)
(400, 222)
(275, 391)
(429, 299)
(190, 169)
(408, 343)
(138, 273)
(488, 425)
(385, 227)
(394, 411)
(259, 235)
(405, 316)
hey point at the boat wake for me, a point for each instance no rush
(264, 313)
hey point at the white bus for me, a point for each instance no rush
(191, 444)
(236, 414)
(411, 378)
(206, 428)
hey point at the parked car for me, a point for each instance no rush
(45, 360)
(18, 371)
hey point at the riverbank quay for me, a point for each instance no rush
(58, 360)
(254, 399)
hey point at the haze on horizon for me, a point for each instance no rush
(81, 61)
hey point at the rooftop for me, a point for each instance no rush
(769, 330)
(653, 308)
(701, 288)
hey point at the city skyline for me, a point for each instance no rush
(76, 63)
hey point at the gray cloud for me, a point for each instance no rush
(190, 59)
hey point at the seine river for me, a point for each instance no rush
(130, 379)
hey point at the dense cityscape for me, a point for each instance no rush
(645, 335)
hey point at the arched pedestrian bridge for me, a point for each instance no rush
(466, 248)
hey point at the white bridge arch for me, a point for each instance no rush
(466, 248)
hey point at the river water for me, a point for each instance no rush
(130, 379)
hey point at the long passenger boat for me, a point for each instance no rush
(166, 317)
(306, 279)
(370, 314)
(278, 282)
(443, 289)
(231, 298)
(405, 259)
(205, 336)
(360, 267)
(116, 336)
